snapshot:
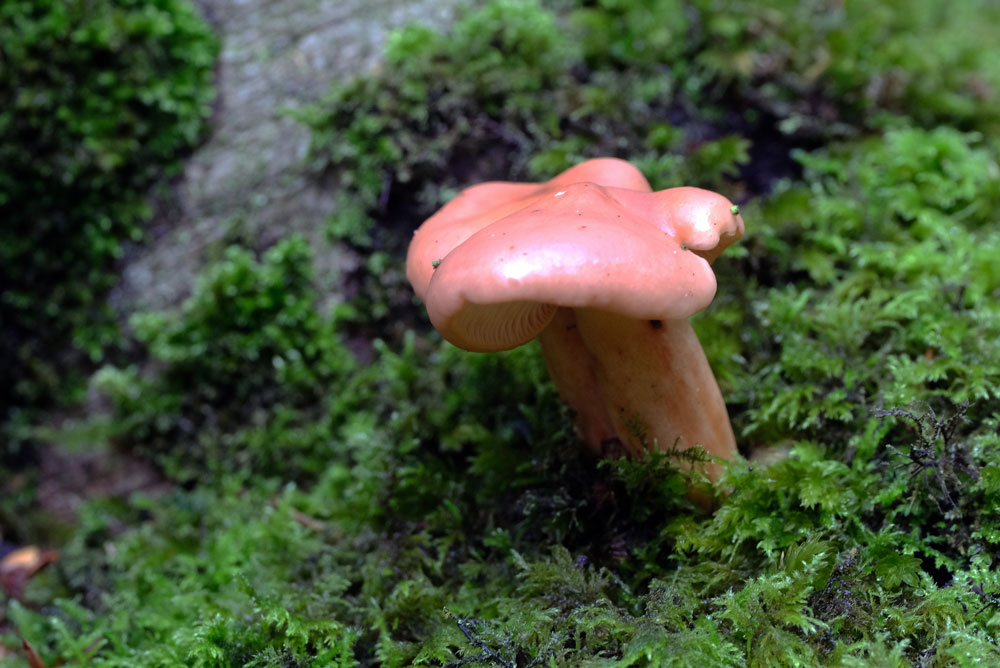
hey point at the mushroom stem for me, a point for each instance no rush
(654, 382)
(574, 371)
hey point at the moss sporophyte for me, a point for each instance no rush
(585, 262)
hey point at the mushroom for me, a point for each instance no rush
(605, 272)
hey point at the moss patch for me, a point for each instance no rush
(405, 503)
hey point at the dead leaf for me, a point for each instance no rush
(18, 567)
(34, 660)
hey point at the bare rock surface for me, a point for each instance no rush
(248, 179)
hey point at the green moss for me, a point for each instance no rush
(100, 100)
(417, 505)
(880, 278)
(242, 369)
(818, 71)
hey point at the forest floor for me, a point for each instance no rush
(249, 180)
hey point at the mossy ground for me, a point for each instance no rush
(347, 489)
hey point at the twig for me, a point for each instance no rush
(488, 653)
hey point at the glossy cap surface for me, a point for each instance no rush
(511, 254)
